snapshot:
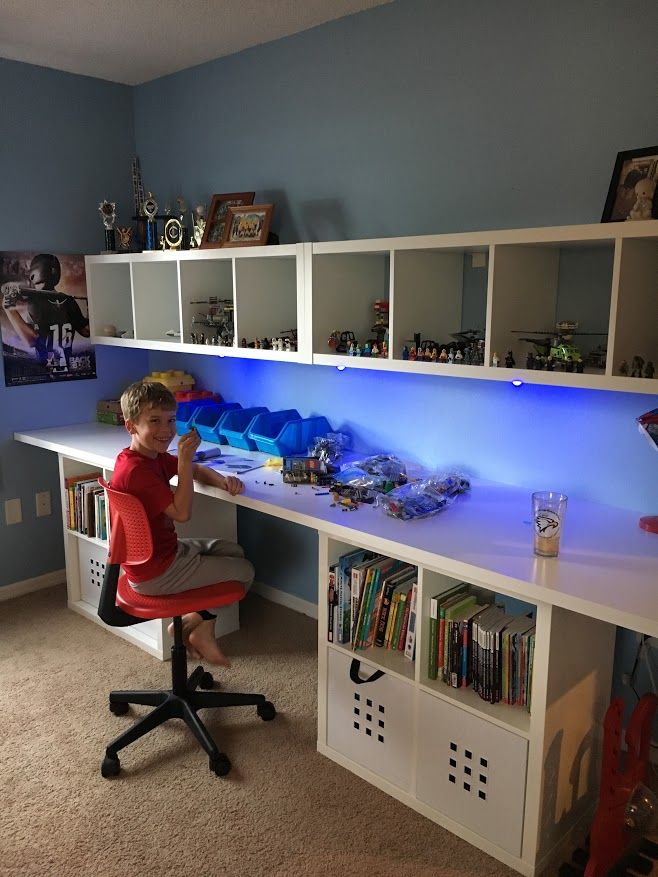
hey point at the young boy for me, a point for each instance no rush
(144, 469)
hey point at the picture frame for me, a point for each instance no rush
(626, 199)
(214, 231)
(248, 226)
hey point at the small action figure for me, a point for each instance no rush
(443, 356)
(636, 367)
(623, 368)
(509, 360)
(494, 360)
(530, 360)
(649, 370)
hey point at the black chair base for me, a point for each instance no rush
(181, 702)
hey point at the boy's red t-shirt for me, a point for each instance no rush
(148, 480)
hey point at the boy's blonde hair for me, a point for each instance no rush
(143, 395)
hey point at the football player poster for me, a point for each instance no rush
(44, 319)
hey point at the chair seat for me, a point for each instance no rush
(171, 605)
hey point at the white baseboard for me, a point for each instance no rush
(47, 580)
(275, 595)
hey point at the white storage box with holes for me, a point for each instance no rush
(473, 771)
(92, 569)
(370, 721)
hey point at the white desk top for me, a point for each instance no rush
(607, 569)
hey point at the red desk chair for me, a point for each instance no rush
(120, 606)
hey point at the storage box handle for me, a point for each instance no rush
(355, 666)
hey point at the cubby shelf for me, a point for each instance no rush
(513, 285)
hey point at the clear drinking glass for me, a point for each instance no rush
(548, 510)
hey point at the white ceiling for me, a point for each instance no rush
(133, 41)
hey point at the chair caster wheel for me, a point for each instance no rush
(119, 709)
(220, 765)
(110, 766)
(206, 681)
(266, 711)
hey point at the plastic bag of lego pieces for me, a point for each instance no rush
(383, 472)
(420, 499)
(363, 480)
(329, 448)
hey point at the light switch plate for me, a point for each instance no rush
(13, 511)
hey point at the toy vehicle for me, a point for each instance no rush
(559, 348)
(340, 341)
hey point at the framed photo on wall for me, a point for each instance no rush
(214, 232)
(633, 192)
(248, 226)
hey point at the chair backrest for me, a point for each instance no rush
(130, 542)
(130, 532)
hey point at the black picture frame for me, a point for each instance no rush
(631, 167)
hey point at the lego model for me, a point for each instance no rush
(306, 470)
(217, 318)
(557, 347)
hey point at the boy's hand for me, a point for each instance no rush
(187, 447)
(233, 485)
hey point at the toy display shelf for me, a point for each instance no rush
(155, 299)
(514, 285)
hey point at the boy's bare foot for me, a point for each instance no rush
(190, 622)
(202, 638)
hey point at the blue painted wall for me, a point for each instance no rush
(419, 117)
(65, 144)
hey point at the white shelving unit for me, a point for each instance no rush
(149, 296)
(512, 285)
(509, 284)
(500, 777)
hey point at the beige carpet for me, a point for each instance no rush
(283, 810)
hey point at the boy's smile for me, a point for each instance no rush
(152, 431)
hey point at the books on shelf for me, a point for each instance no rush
(86, 510)
(477, 644)
(371, 602)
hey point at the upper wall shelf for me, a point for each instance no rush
(513, 285)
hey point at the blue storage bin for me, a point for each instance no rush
(297, 435)
(235, 427)
(266, 429)
(207, 419)
(185, 412)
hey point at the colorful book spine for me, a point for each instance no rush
(433, 632)
(410, 644)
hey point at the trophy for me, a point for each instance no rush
(125, 233)
(198, 225)
(108, 212)
(185, 234)
(150, 211)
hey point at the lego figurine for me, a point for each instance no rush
(412, 354)
(451, 356)
(636, 367)
(623, 368)
(375, 350)
(443, 356)
(530, 360)
(459, 356)
(509, 360)
(649, 370)
(405, 352)
(494, 360)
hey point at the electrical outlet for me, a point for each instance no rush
(43, 504)
(13, 511)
